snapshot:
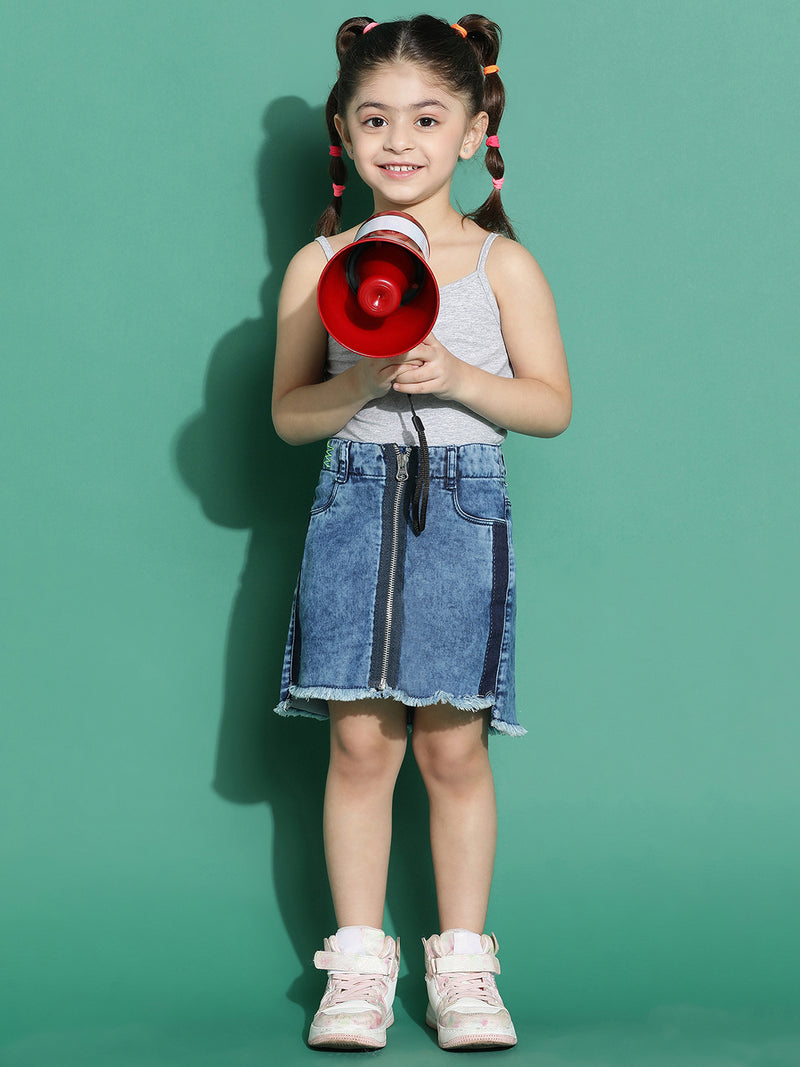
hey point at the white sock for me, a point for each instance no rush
(359, 940)
(465, 942)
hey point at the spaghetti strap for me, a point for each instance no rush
(487, 244)
(325, 245)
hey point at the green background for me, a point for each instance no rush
(162, 887)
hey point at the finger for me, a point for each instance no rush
(407, 369)
(397, 368)
(430, 386)
(405, 358)
(414, 377)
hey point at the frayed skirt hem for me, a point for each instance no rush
(308, 702)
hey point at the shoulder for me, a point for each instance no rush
(306, 265)
(302, 275)
(515, 277)
(341, 240)
(510, 264)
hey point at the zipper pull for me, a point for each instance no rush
(402, 467)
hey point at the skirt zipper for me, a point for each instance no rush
(401, 476)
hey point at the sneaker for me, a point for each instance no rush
(464, 1006)
(356, 1008)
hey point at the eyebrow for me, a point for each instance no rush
(412, 107)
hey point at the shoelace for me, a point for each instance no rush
(352, 986)
(476, 984)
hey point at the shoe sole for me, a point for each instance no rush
(357, 1039)
(343, 1042)
(453, 1039)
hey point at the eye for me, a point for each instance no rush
(427, 121)
(375, 122)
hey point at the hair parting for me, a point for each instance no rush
(461, 55)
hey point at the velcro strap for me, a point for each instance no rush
(342, 961)
(456, 964)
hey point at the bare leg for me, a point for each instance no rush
(451, 749)
(368, 742)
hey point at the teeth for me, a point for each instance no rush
(398, 167)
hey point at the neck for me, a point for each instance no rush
(437, 218)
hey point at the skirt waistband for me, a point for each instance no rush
(446, 461)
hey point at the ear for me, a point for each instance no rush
(344, 136)
(474, 135)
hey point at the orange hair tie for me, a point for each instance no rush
(459, 29)
(492, 69)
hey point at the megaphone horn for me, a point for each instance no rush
(378, 296)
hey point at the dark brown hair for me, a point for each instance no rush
(455, 60)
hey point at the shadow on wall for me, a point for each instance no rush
(245, 477)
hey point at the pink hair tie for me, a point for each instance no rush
(493, 141)
(337, 189)
(369, 26)
(498, 182)
(334, 150)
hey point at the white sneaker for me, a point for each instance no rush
(356, 1008)
(464, 1006)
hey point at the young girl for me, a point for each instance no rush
(391, 627)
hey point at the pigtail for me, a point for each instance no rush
(330, 220)
(484, 36)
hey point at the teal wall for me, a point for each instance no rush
(162, 875)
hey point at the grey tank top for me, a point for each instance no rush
(468, 325)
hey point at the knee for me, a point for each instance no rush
(366, 754)
(450, 761)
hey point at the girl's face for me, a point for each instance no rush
(406, 133)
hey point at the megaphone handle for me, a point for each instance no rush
(419, 505)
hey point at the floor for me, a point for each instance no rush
(671, 1037)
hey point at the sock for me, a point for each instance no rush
(465, 942)
(360, 940)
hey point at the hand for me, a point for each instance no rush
(431, 368)
(377, 375)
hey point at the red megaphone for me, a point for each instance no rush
(378, 296)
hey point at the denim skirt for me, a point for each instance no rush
(382, 612)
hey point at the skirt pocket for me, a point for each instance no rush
(325, 493)
(483, 500)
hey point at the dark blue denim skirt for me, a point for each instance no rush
(382, 612)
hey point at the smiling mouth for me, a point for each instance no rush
(399, 168)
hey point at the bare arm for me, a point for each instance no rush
(304, 407)
(538, 399)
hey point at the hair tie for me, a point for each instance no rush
(492, 142)
(339, 189)
(334, 150)
(491, 69)
(369, 26)
(498, 182)
(459, 29)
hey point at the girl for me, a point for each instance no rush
(392, 627)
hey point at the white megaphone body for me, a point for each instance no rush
(378, 296)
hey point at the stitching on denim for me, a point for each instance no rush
(344, 461)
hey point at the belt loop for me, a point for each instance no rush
(344, 458)
(452, 467)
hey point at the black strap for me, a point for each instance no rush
(419, 506)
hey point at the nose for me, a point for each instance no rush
(399, 137)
